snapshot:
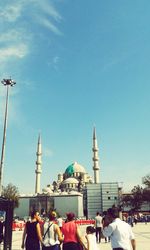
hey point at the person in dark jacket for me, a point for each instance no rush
(32, 233)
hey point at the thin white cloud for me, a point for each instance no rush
(54, 62)
(46, 14)
(19, 20)
(49, 9)
(47, 152)
(19, 51)
(11, 12)
(48, 24)
(14, 35)
(17, 43)
(56, 59)
(14, 46)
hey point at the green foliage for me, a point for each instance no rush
(146, 194)
(133, 200)
(137, 197)
(146, 181)
(11, 192)
(126, 200)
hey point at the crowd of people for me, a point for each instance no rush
(133, 219)
(54, 234)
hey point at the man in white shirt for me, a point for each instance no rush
(98, 225)
(120, 232)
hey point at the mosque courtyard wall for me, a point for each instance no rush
(73, 203)
(45, 203)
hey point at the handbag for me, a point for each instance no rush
(47, 231)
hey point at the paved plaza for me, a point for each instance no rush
(141, 231)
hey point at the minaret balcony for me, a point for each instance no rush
(96, 168)
(38, 171)
(95, 158)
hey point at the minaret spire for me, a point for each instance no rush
(38, 170)
(95, 158)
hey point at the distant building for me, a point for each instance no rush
(101, 196)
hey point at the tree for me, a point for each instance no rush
(133, 200)
(146, 181)
(11, 192)
(146, 194)
(126, 200)
(137, 200)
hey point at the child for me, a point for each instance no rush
(91, 238)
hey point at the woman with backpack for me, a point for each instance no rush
(52, 236)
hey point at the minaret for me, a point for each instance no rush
(38, 170)
(95, 158)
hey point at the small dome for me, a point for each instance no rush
(74, 168)
(47, 190)
(70, 181)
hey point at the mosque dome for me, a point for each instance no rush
(74, 168)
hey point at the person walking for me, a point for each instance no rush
(71, 233)
(120, 232)
(52, 236)
(91, 238)
(60, 222)
(1, 229)
(32, 233)
(107, 239)
(98, 225)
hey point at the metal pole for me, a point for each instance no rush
(6, 82)
(4, 140)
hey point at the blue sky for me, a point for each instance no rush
(77, 64)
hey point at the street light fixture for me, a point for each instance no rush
(5, 82)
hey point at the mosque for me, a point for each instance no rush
(74, 190)
(74, 179)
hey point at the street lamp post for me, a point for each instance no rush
(7, 83)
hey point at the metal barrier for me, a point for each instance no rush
(18, 225)
(85, 222)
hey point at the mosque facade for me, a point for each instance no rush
(74, 179)
(82, 193)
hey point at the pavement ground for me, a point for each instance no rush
(141, 231)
